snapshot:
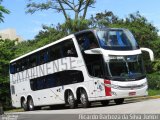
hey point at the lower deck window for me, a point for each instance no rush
(57, 79)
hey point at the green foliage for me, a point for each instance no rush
(3, 10)
(153, 92)
(6, 54)
(46, 36)
(154, 81)
(155, 47)
(156, 65)
(24, 47)
(49, 34)
(72, 26)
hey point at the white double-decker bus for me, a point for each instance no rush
(91, 65)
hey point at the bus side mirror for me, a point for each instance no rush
(151, 54)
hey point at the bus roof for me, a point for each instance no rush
(65, 38)
(97, 29)
(41, 48)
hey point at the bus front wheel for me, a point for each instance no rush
(119, 101)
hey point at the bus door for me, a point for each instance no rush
(95, 66)
(98, 81)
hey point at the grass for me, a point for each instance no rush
(15, 110)
(153, 92)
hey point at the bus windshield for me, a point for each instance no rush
(126, 68)
(117, 39)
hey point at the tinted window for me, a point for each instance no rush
(40, 83)
(50, 81)
(60, 50)
(87, 41)
(95, 65)
(55, 52)
(13, 68)
(117, 40)
(57, 79)
(43, 57)
(18, 66)
(33, 60)
(68, 49)
(24, 63)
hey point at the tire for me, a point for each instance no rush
(71, 100)
(24, 105)
(84, 99)
(30, 104)
(119, 101)
(105, 102)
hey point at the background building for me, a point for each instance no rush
(10, 34)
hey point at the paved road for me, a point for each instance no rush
(146, 106)
(130, 106)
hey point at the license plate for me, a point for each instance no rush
(132, 93)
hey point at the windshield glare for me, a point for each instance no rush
(117, 39)
(126, 67)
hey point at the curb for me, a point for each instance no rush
(143, 97)
(154, 97)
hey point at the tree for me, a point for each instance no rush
(78, 7)
(3, 10)
(62, 6)
(72, 26)
(6, 54)
(47, 35)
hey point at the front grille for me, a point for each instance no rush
(131, 87)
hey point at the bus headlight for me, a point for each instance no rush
(112, 86)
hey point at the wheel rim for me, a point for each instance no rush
(83, 98)
(23, 104)
(30, 104)
(70, 99)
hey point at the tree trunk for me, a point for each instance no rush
(85, 9)
(76, 15)
(1, 109)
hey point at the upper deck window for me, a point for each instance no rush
(117, 39)
(87, 41)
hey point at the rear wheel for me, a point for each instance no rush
(24, 105)
(105, 102)
(71, 100)
(30, 104)
(119, 101)
(84, 99)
